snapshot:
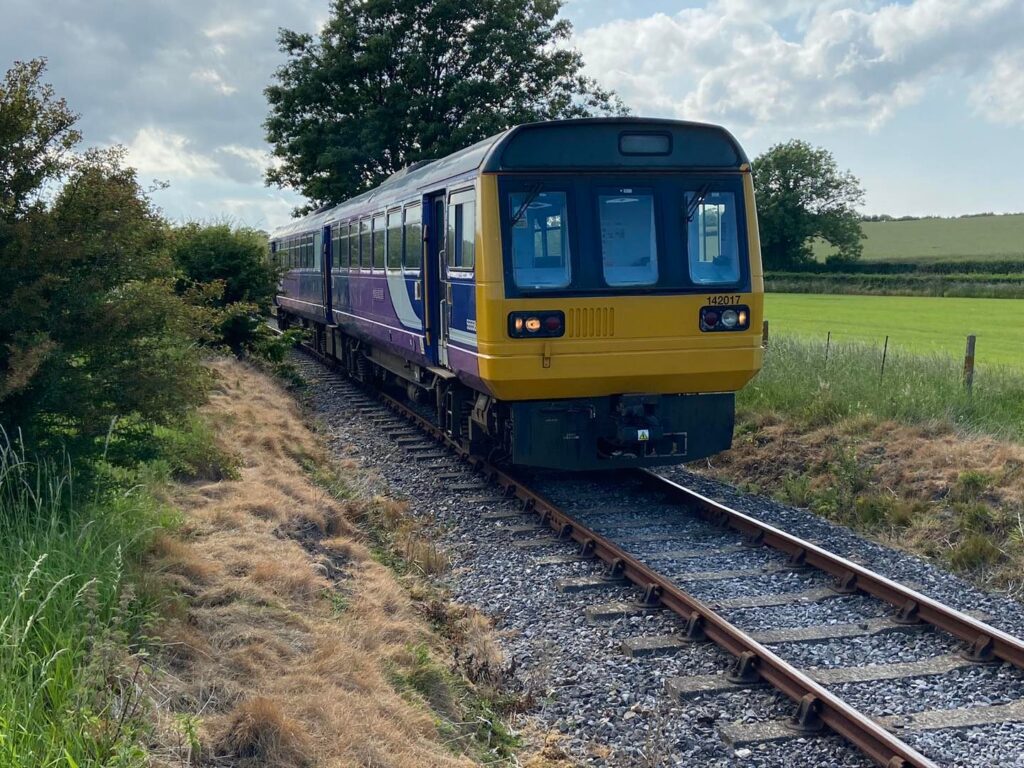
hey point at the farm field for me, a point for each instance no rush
(973, 238)
(917, 324)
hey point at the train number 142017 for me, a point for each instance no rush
(723, 300)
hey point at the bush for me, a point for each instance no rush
(227, 270)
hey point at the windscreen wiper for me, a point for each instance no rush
(698, 198)
(530, 197)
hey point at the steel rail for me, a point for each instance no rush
(985, 641)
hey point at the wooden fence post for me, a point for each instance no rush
(885, 351)
(828, 344)
(969, 363)
(764, 334)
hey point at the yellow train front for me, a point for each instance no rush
(578, 294)
(619, 292)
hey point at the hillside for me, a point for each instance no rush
(968, 238)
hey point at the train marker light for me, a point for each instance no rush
(545, 324)
(735, 318)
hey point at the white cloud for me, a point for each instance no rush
(157, 152)
(213, 78)
(999, 95)
(807, 64)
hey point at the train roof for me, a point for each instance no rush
(595, 143)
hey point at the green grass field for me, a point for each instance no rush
(975, 238)
(913, 323)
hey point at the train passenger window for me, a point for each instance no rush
(413, 238)
(461, 240)
(629, 250)
(317, 253)
(378, 242)
(711, 237)
(339, 252)
(364, 245)
(395, 240)
(540, 243)
(335, 245)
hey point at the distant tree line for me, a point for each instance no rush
(107, 307)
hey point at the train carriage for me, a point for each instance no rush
(577, 294)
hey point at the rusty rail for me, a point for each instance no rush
(985, 642)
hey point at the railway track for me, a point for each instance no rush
(726, 576)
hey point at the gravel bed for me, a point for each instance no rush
(894, 646)
(971, 747)
(848, 609)
(979, 685)
(611, 708)
(749, 586)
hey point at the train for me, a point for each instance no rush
(579, 294)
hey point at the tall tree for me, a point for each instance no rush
(802, 195)
(390, 82)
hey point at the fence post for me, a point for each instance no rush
(885, 351)
(764, 334)
(969, 363)
(828, 343)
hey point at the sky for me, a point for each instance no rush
(923, 100)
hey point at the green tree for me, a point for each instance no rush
(801, 195)
(227, 270)
(390, 82)
(91, 327)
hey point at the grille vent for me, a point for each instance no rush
(591, 323)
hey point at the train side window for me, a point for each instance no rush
(378, 242)
(540, 242)
(395, 240)
(364, 244)
(335, 245)
(629, 250)
(413, 238)
(317, 254)
(711, 237)
(460, 242)
(340, 252)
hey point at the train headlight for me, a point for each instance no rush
(531, 325)
(734, 318)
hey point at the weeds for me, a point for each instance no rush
(67, 615)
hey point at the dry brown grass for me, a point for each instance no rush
(292, 630)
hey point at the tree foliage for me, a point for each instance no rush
(390, 82)
(91, 328)
(226, 270)
(802, 194)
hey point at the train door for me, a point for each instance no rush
(438, 290)
(325, 272)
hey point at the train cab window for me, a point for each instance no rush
(395, 240)
(711, 237)
(540, 242)
(629, 250)
(364, 246)
(378, 242)
(413, 239)
(461, 239)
